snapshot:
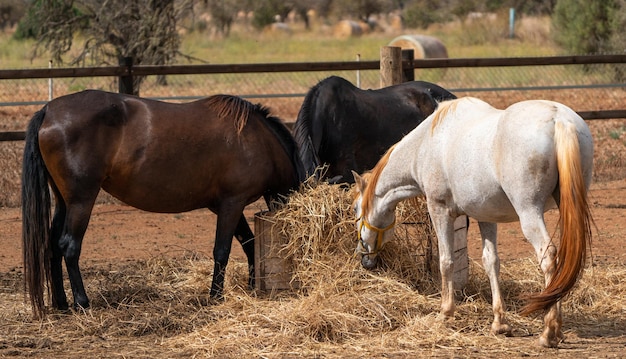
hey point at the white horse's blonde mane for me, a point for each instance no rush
(371, 180)
(441, 111)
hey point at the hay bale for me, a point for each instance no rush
(395, 22)
(272, 270)
(347, 28)
(319, 239)
(424, 47)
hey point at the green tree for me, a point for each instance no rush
(583, 26)
(362, 9)
(267, 11)
(10, 12)
(588, 27)
(224, 12)
(422, 13)
(145, 30)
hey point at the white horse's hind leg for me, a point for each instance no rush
(491, 263)
(534, 229)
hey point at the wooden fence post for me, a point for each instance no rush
(126, 82)
(460, 276)
(390, 66)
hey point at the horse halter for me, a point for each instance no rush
(379, 234)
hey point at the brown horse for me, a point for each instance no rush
(220, 153)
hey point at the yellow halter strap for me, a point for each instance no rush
(379, 234)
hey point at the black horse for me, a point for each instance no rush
(347, 128)
(220, 153)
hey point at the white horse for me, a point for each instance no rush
(495, 166)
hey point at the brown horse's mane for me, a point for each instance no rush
(228, 106)
(371, 178)
(441, 111)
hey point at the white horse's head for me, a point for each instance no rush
(371, 238)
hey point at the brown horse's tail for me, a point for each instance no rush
(574, 222)
(35, 218)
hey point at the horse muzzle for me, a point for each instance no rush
(369, 256)
(369, 261)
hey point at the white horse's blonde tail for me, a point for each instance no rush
(575, 221)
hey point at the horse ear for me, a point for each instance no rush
(359, 181)
(426, 103)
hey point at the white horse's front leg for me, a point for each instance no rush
(491, 263)
(444, 228)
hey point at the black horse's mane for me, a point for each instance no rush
(303, 127)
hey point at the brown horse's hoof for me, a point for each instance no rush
(80, 308)
(206, 301)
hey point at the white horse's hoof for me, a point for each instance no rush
(505, 329)
(548, 342)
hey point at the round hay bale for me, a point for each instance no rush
(347, 28)
(366, 27)
(424, 47)
(395, 22)
(313, 18)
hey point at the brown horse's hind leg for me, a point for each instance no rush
(244, 235)
(70, 243)
(59, 299)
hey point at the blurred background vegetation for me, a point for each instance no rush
(96, 32)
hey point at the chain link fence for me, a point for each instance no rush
(582, 87)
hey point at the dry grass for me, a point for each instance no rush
(157, 309)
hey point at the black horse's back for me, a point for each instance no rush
(345, 128)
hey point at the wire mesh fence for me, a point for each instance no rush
(582, 87)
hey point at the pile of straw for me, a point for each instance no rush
(320, 226)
